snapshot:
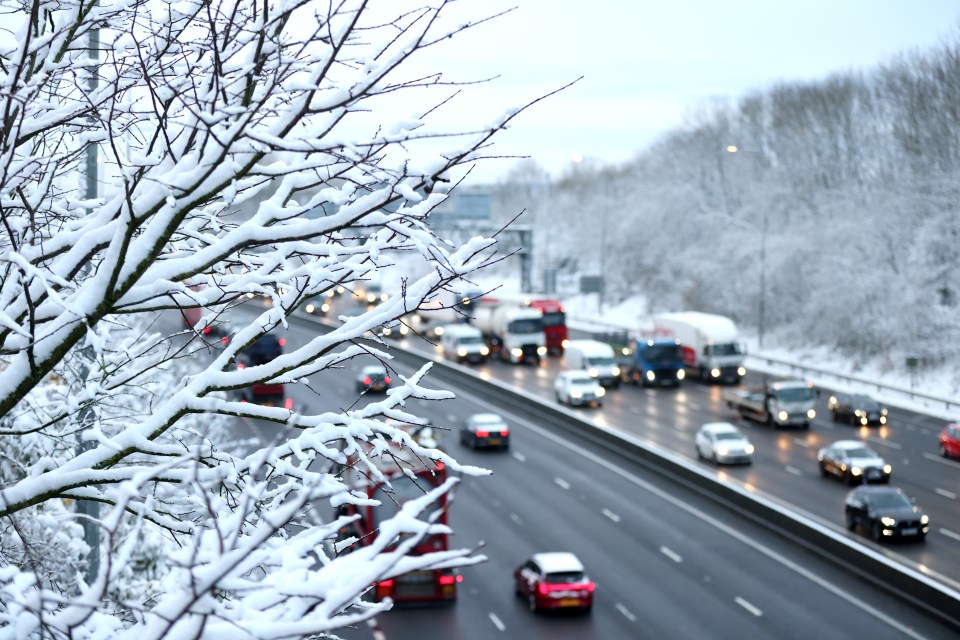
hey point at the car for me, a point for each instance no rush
(950, 441)
(857, 409)
(373, 377)
(885, 513)
(485, 431)
(723, 443)
(317, 305)
(554, 580)
(262, 351)
(853, 462)
(578, 388)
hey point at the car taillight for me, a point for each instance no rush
(240, 365)
(543, 588)
(440, 466)
(207, 330)
(504, 433)
(283, 342)
(483, 434)
(367, 380)
(386, 380)
(225, 339)
(288, 404)
(384, 588)
(445, 580)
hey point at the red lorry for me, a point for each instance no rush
(406, 476)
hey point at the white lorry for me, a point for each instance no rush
(596, 358)
(710, 343)
(513, 332)
(781, 403)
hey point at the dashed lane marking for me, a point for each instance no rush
(950, 534)
(670, 553)
(946, 494)
(562, 483)
(626, 613)
(801, 442)
(886, 443)
(516, 518)
(497, 622)
(749, 607)
(611, 515)
(519, 456)
(794, 471)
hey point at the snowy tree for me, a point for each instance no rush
(242, 148)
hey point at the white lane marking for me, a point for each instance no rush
(497, 622)
(375, 630)
(563, 483)
(885, 443)
(519, 456)
(803, 443)
(950, 534)
(611, 515)
(794, 471)
(516, 518)
(946, 494)
(749, 607)
(942, 460)
(626, 613)
(673, 555)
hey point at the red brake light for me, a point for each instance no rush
(288, 404)
(504, 433)
(283, 342)
(543, 587)
(225, 339)
(483, 434)
(445, 580)
(240, 365)
(386, 380)
(440, 466)
(367, 380)
(207, 330)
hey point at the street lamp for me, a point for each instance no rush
(761, 311)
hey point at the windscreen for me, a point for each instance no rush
(469, 340)
(565, 577)
(600, 361)
(890, 500)
(795, 394)
(728, 435)
(662, 353)
(554, 319)
(530, 325)
(727, 349)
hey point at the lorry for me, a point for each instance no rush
(710, 343)
(551, 310)
(401, 475)
(514, 333)
(655, 360)
(596, 358)
(776, 403)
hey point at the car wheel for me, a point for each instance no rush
(699, 452)
(834, 415)
(875, 532)
(532, 602)
(851, 522)
(823, 471)
(943, 451)
(558, 398)
(586, 610)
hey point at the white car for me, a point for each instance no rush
(578, 388)
(853, 462)
(723, 443)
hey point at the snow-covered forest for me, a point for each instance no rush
(836, 221)
(132, 134)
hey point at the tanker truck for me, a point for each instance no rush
(512, 332)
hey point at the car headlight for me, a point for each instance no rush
(924, 519)
(462, 352)
(516, 352)
(310, 308)
(438, 331)
(371, 297)
(681, 374)
(324, 307)
(811, 414)
(858, 413)
(856, 471)
(741, 371)
(651, 376)
(883, 419)
(541, 351)
(783, 415)
(722, 451)
(864, 421)
(575, 393)
(404, 329)
(748, 449)
(565, 344)
(592, 372)
(601, 392)
(887, 521)
(715, 373)
(484, 351)
(883, 412)
(615, 371)
(887, 469)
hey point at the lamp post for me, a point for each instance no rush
(761, 310)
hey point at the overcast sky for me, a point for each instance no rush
(645, 65)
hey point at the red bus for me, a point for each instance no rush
(409, 477)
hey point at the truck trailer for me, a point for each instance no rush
(710, 343)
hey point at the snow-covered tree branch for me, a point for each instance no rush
(242, 148)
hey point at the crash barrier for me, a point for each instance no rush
(920, 591)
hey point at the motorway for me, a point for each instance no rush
(666, 559)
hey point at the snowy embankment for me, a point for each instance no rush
(932, 392)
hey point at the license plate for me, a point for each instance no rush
(494, 441)
(569, 602)
(909, 531)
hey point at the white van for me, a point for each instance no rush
(463, 343)
(595, 357)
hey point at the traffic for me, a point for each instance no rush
(661, 411)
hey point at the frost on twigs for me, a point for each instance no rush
(236, 182)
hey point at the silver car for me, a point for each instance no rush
(723, 443)
(853, 462)
(577, 388)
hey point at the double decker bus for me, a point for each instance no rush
(405, 476)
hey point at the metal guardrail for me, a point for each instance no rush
(794, 368)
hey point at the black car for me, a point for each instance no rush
(885, 513)
(857, 409)
(373, 378)
(485, 431)
(263, 350)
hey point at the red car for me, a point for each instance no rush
(950, 441)
(553, 581)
